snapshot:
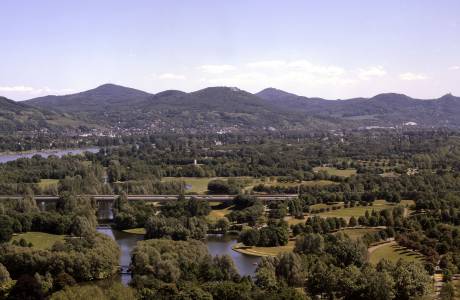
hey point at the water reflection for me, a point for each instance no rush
(219, 244)
(126, 242)
(45, 153)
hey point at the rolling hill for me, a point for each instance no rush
(215, 109)
(20, 117)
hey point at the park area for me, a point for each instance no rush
(39, 240)
(392, 252)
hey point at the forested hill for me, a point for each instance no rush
(388, 109)
(20, 117)
(208, 110)
(217, 109)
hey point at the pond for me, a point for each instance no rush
(45, 153)
(218, 244)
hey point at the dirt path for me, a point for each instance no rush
(373, 248)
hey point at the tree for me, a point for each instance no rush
(114, 171)
(6, 228)
(218, 186)
(5, 281)
(352, 222)
(223, 225)
(411, 280)
(81, 227)
(289, 269)
(250, 236)
(447, 292)
(310, 243)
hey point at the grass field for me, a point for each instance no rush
(264, 251)
(293, 221)
(318, 182)
(393, 252)
(39, 240)
(46, 183)
(217, 214)
(356, 211)
(135, 231)
(199, 185)
(356, 233)
(335, 171)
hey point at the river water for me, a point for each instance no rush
(45, 153)
(218, 244)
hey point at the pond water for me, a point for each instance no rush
(218, 244)
(45, 153)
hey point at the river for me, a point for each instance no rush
(45, 153)
(218, 244)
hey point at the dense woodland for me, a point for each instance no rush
(173, 261)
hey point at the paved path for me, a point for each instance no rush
(373, 248)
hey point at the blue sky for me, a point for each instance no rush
(331, 49)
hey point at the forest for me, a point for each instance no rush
(358, 194)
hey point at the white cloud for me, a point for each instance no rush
(454, 68)
(216, 69)
(33, 90)
(368, 73)
(171, 76)
(412, 76)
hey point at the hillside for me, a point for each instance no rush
(19, 117)
(217, 109)
(387, 109)
(208, 110)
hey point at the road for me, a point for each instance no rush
(162, 198)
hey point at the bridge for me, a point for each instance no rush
(160, 198)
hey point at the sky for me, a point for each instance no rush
(330, 49)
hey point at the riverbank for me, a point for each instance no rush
(263, 251)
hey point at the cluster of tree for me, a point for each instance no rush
(334, 267)
(317, 224)
(83, 255)
(165, 269)
(246, 209)
(184, 228)
(128, 215)
(273, 235)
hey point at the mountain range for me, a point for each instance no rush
(221, 109)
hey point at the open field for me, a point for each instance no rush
(356, 211)
(293, 221)
(356, 233)
(135, 231)
(264, 251)
(39, 240)
(46, 183)
(217, 214)
(335, 171)
(393, 252)
(199, 185)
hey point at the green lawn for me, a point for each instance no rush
(393, 252)
(264, 251)
(199, 185)
(46, 183)
(335, 171)
(135, 230)
(356, 211)
(39, 240)
(217, 214)
(356, 233)
(318, 182)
